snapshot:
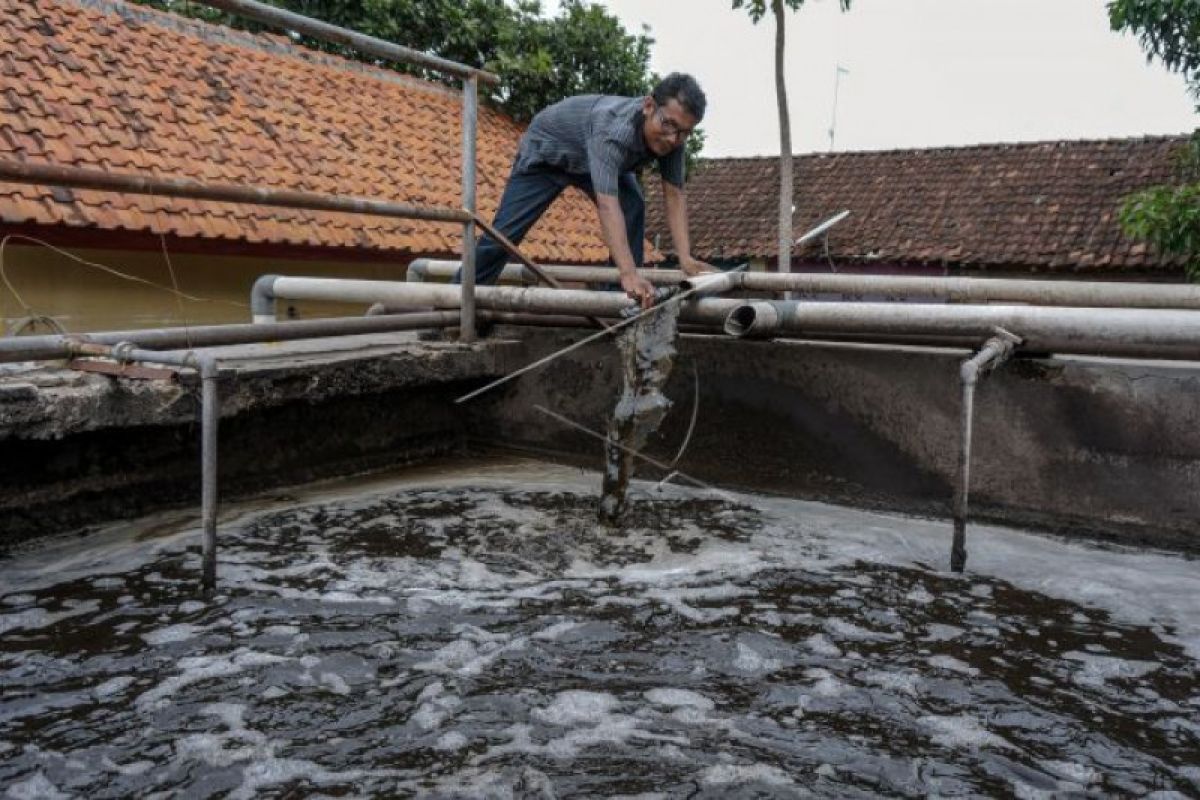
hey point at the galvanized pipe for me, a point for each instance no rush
(42, 348)
(470, 110)
(80, 178)
(1092, 294)
(1140, 333)
(395, 295)
(210, 416)
(994, 352)
(368, 45)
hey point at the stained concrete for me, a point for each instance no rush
(79, 447)
(1087, 447)
(1093, 447)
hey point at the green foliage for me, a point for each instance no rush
(759, 8)
(1167, 216)
(1168, 30)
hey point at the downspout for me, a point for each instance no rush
(994, 352)
(262, 299)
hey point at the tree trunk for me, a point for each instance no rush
(785, 147)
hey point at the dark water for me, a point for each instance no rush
(447, 642)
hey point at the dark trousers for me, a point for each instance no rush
(527, 196)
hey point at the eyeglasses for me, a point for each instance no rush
(669, 126)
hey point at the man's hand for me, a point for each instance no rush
(638, 288)
(694, 266)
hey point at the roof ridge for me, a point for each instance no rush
(960, 148)
(270, 43)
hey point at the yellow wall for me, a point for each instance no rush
(84, 298)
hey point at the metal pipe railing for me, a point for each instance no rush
(380, 48)
(56, 346)
(467, 310)
(82, 178)
(1093, 294)
(397, 295)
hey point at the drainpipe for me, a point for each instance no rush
(994, 352)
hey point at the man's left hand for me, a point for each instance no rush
(694, 266)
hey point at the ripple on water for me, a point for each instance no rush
(476, 643)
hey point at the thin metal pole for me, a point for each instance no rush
(368, 45)
(470, 110)
(210, 419)
(80, 178)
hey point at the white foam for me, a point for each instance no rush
(452, 740)
(679, 697)
(723, 774)
(335, 683)
(750, 660)
(819, 643)
(111, 687)
(952, 664)
(1096, 669)
(36, 787)
(961, 731)
(172, 633)
(576, 707)
(904, 682)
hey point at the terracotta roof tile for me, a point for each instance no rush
(1046, 206)
(107, 84)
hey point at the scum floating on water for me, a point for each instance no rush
(450, 642)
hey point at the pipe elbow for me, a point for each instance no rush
(262, 299)
(418, 270)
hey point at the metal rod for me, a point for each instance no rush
(527, 262)
(334, 34)
(210, 419)
(470, 109)
(678, 298)
(80, 178)
(35, 348)
(994, 352)
(1097, 294)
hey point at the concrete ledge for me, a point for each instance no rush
(79, 448)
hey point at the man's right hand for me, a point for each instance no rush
(638, 288)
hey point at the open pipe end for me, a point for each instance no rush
(711, 282)
(752, 320)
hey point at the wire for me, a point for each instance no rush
(31, 313)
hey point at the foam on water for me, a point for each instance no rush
(475, 635)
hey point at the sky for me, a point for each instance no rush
(921, 73)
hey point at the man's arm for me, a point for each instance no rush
(676, 204)
(612, 228)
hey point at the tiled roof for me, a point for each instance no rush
(1047, 206)
(110, 85)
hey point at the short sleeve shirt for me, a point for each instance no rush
(595, 135)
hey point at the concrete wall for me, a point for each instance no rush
(1093, 447)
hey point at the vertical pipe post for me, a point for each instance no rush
(958, 550)
(470, 92)
(210, 417)
(994, 352)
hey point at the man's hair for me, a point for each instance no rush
(685, 90)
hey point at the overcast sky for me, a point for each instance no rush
(922, 73)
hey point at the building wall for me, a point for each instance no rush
(86, 298)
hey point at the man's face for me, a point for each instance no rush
(665, 127)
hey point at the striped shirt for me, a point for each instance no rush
(595, 135)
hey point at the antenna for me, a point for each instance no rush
(837, 79)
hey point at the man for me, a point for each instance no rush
(597, 142)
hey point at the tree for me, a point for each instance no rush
(1168, 216)
(758, 9)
